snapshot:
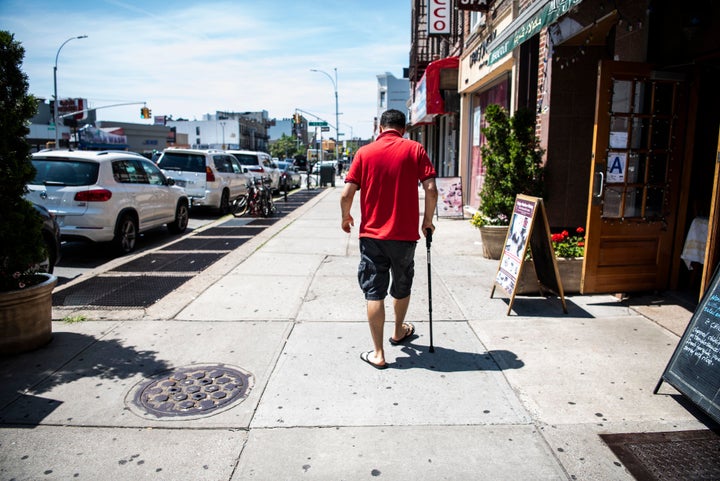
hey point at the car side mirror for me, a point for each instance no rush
(170, 181)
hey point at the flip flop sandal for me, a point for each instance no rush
(409, 331)
(365, 356)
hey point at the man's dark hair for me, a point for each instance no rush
(393, 119)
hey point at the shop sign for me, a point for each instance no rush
(474, 5)
(522, 29)
(480, 52)
(438, 17)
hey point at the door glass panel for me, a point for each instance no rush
(660, 133)
(612, 203)
(633, 202)
(635, 168)
(655, 200)
(621, 96)
(619, 132)
(663, 98)
(657, 173)
(640, 132)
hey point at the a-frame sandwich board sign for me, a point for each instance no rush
(528, 228)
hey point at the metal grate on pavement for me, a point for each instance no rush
(188, 262)
(130, 291)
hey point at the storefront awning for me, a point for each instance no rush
(528, 23)
(428, 99)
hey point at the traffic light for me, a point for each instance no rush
(145, 113)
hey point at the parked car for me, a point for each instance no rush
(105, 196)
(211, 178)
(51, 238)
(290, 177)
(259, 163)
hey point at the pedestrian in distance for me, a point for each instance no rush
(386, 173)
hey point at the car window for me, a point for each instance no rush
(222, 164)
(64, 172)
(182, 161)
(236, 167)
(127, 171)
(247, 159)
(154, 176)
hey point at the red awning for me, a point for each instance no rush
(428, 99)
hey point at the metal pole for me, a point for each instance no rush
(337, 114)
(57, 101)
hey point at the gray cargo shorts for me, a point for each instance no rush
(379, 259)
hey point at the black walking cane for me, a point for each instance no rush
(428, 241)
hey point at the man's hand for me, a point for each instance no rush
(347, 223)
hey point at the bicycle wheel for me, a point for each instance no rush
(239, 206)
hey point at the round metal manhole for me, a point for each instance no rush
(192, 391)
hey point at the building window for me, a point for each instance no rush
(197, 130)
(477, 20)
(383, 95)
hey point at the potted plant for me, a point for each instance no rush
(25, 293)
(569, 252)
(512, 159)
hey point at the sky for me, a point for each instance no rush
(186, 59)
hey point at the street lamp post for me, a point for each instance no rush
(57, 101)
(337, 115)
(222, 124)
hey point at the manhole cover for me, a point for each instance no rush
(192, 391)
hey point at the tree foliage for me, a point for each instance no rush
(285, 147)
(21, 243)
(512, 158)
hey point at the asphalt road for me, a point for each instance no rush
(79, 258)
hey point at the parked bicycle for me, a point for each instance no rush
(258, 202)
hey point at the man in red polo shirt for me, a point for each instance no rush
(387, 172)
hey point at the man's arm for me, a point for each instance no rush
(346, 200)
(431, 197)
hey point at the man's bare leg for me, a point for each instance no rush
(401, 307)
(376, 319)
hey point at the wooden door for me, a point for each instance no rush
(712, 249)
(636, 165)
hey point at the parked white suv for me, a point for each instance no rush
(211, 178)
(106, 196)
(259, 163)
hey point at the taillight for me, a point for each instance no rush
(94, 195)
(262, 171)
(209, 176)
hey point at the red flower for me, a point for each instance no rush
(579, 230)
(557, 237)
(581, 243)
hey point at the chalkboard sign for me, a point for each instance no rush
(694, 368)
(528, 227)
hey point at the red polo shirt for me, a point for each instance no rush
(387, 172)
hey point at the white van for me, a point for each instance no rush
(259, 163)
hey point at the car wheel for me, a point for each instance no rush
(125, 234)
(182, 214)
(224, 202)
(48, 265)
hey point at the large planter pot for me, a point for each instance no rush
(570, 275)
(26, 317)
(493, 240)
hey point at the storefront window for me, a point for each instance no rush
(498, 94)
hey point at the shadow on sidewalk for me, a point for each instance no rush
(450, 360)
(68, 358)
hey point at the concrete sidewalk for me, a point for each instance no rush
(518, 397)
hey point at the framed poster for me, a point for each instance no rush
(528, 228)
(449, 197)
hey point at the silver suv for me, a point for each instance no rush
(106, 196)
(211, 178)
(259, 163)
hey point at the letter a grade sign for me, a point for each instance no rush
(616, 168)
(438, 17)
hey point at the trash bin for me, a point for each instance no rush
(327, 175)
